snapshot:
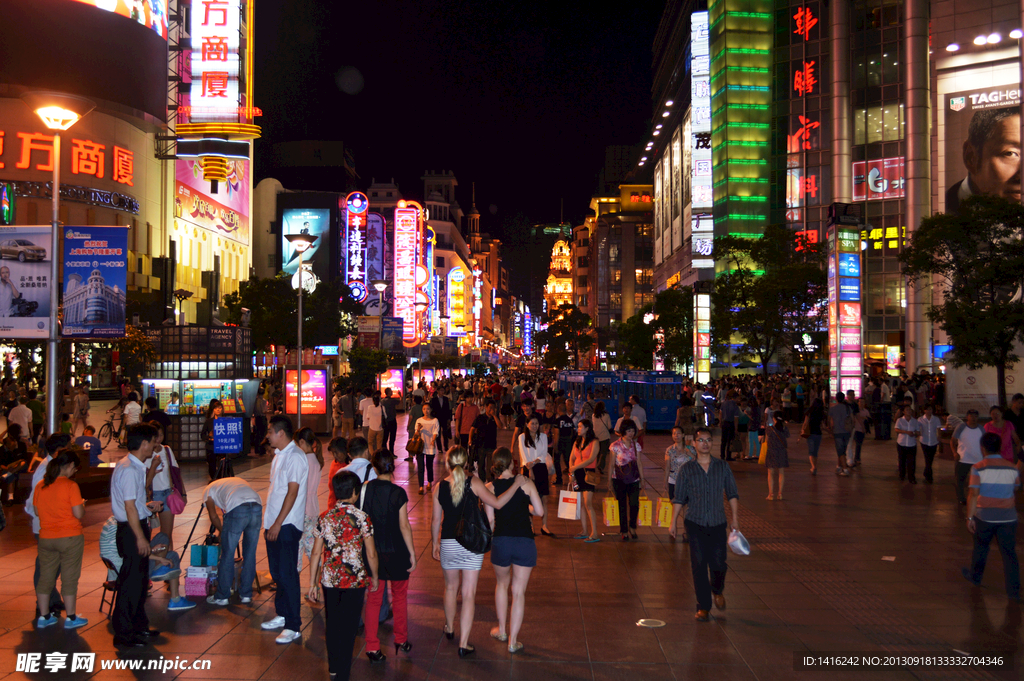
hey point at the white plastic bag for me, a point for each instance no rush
(738, 543)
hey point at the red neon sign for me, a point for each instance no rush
(805, 21)
(804, 79)
(407, 241)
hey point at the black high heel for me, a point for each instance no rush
(449, 634)
(404, 647)
(376, 656)
(466, 652)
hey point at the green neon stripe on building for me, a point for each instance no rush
(754, 218)
(754, 199)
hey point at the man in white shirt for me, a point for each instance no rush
(967, 445)
(908, 432)
(22, 415)
(54, 444)
(282, 526)
(243, 511)
(930, 424)
(132, 512)
(640, 418)
(365, 404)
(132, 410)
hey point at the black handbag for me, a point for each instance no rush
(473, 531)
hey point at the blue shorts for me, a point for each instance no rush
(521, 551)
(161, 495)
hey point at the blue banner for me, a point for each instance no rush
(227, 435)
(391, 329)
(95, 281)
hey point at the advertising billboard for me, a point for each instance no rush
(25, 281)
(354, 263)
(315, 222)
(700, 134)
(407, 251)
(314, 391)
(149, 13)
(882, 178)
(225, 213)
(393, 378)
(216, 36)
(391, 334)
(95, 281)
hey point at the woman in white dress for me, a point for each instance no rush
(428, 428)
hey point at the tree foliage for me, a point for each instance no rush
(135, 351)
(636, 342)
(328, 313)
(365, 364)
(977, 257)
(445, 361)
(769, 294)
(568, 334)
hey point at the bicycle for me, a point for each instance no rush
(108, 432)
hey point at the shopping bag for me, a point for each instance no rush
(764, 451)
(738, 543)
(611, 512)
(645, 512)
(664, 512)
(568, 505)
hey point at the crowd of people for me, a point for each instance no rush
(359, 550)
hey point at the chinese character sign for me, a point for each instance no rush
(456, 302)
(25, 281)
(227, 435)
(882, 178)
(407, 244)
(95, 280)
(701, 119)
(702, 337)
(356, 218)
(216, 36)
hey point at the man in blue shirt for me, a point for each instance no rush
(88, 441)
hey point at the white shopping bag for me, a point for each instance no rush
(568, 505)
(738, 543)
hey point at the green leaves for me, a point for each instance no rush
(568, 334)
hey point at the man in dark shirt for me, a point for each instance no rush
(700, 485)
(562, 431)
(441, 408)
(521, 420)
(1015, 415)
(155, 413)
(483, 439)
(390, 404)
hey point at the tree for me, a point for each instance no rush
(977, 255)
(365, 364)
(636, 341)
(444, 361)
(328, 313)
(769, 293)
(135, 351)
(674, 310)
(569, 332)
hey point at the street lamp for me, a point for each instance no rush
(181, 295)
(380, 285)
(301, 243)
(58, 112)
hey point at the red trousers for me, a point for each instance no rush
(399, 605)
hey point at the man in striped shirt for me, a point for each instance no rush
(991, 513)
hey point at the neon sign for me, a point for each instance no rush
(804, 79)
(805, 21)
(356, 206)
(702, 337)
(407, 244)
(478, 304)
(456, 302)
(700, 140)
(528, 333)
(216, 37)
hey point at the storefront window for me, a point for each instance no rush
(883, 123)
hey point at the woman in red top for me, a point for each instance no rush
(337, 569)
(339, 451)
(1005, 430)
(60, 508)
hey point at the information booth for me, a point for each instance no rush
(200, 364)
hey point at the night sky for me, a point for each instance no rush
(519, 97)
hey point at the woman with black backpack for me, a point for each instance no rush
(456, 515)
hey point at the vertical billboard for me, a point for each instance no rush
(701, 224)
(356, 237)
(407, 248)
(393, 378)
(456, 302)
(225, 213)
(391, 334)
(702, 331)
(215, 31)
(95, 281)
(25, 281)
(314, 391)
(315, 222)
(982, 131)
(846, 361)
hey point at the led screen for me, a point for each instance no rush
(149, 13)
(314, 391)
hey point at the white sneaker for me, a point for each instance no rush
(275, 623)
(287, 636)
(213, 600)
(246, 599)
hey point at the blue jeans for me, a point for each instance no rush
(1005, 535)
(282, 556)
(813, 444)
(842, 440)
(242, 522)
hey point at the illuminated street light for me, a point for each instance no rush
(1016, 34)
(58, 113)
(301, 243)
(952, 47)
(993, 38)
(980, 40)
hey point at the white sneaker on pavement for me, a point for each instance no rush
(246, 599)
(287, 636)
(275, 623)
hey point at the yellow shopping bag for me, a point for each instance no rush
(643, 517)
(664, 512)
(611, 512)
(764, 452)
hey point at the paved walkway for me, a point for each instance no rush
(815, 582)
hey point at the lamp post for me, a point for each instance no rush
(58, 112)
(380, 285)
(301, 243)
(181, 295)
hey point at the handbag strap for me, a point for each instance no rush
(362, 495)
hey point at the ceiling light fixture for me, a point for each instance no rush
(993, 38)
(1016, 34)
(952, 47)
(980, 40)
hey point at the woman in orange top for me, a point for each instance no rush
(60, 509)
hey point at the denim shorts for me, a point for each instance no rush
(521, 551)
(161, 495)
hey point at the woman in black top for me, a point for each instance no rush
(213, 412)
(513, 550)
(387, 504)
(812, 427)
(461, 487)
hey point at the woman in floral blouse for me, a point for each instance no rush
(336, 564)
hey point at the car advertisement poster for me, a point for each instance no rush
(95, 279)
(25, 281)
